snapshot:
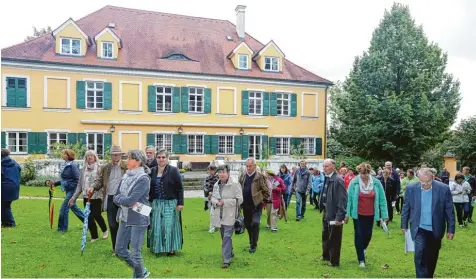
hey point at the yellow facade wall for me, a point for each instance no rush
(129, 141)
(227, 101)
(70, 31)
(107, 37)
(130, 96)
(295, 126)
(450, 165)
(310, 105)
(57, 90)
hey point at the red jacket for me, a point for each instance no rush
(348, 177)
(277, 192)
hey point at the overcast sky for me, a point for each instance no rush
(322, 36)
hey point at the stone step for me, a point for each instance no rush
(191, 187)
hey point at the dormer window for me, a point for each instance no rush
(107, 50)
(271, 64)
(243, 62)
(70, 46)
(178, 57)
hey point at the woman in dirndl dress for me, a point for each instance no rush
(165, 234)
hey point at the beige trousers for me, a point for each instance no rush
(272, 216)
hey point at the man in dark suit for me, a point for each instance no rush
(428, 205)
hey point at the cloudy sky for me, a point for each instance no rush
(321, 35)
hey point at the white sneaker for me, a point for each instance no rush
(105, 234)
(94, 240)
(362, 264)
(212, 230)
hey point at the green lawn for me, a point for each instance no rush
(29, 191)
(32, 249)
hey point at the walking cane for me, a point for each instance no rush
(284, 209)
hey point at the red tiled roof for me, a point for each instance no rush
(147, 37)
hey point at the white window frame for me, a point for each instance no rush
(283, 98)
(272, 61)
(163, 95)
(57, 137)
(258, 146)
(165, 136)
(281, 150)
(309, 145)
(246, 66)
(95, 93)
(103, 44)
(195, 94)
(101, 155)
(17, 140)
(256, 99)
(227, 139)
(70, 46)
(195, 136)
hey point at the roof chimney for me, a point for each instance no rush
(240, 21)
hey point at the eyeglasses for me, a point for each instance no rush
(161, 157)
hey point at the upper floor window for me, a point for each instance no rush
(17, 142)
(243, 62)
(309, 146)
(271, 64)
(96, 143)
(107, 50)
(178, 57)
(94, 94)
(195, 99)
(282, 146)
(256, 103)
(16, 92)
(164, 99)
(283, 101)
(195, 144)
(70, 46)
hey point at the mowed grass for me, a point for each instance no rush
(32, 249)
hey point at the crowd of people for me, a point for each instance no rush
(122, 188)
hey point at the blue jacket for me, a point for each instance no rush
(317, 181)
(69, 177)
(442, 209)
(11, 172)
(288, 181)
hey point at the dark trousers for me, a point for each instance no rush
(399, 204)
(390, 210)
(95, 216)
(287, 198)
(315, 199)
(471, 207)
(331, 241)
(7, 215)
(112, 210)
(300, 204)
(252, 219)
(462, 212)
(427, 249)
(362, 234)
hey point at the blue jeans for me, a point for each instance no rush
(135, 235)
(64, 212)
(300, 204)
(7, 215)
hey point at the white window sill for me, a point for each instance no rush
(57, 109)
(19, 154)
(164, 113)
(196, 155)
(15, 108)
(94, 110)
(283, 116)
(225, 115)
(309, 117)
(196, 114)
(255, 116)
(130, 111)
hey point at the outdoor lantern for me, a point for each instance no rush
(112, 128)
(180, 130)
(242, 131)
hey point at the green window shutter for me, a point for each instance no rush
(4, 140)
(237, 144)
(318, 146)
(245, 150)
(32, 143)
(177, 143)
(21, 92)
(80, 94)
(208, 100)
(264, 147)
(293, 104)
(274, 104)
(82, 139)
(184, 146)
(214, 145)
(72, 138)
(207, 147)
(11, 92)
(265, 103)
(107, 141)
(151, 140)
(245, 103)
(176, 99)
(42, 143)
(184, 97)
(107, 96)
(151, 98)
(272, 146)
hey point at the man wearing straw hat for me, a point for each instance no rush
(109, 178)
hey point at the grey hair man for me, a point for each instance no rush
(333, 204)
(431, 212)
(150, 153)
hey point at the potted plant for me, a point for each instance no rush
(182, 173)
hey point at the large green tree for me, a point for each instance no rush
(464, 143)
(398, 101)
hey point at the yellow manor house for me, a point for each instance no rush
(197, 87)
